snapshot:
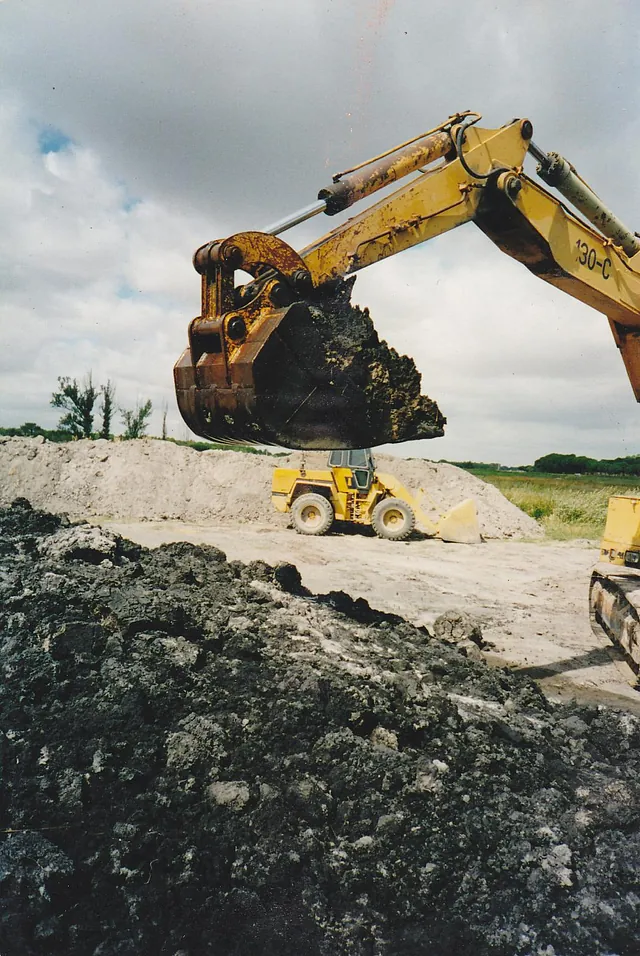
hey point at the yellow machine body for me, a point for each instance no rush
(355, 494)
(621, 540)
(335, 483)
(614, 594)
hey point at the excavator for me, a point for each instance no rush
(284, 358)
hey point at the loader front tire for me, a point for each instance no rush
(312, 514)
(393, 519)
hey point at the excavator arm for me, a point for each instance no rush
(285, 359)
(532, 226)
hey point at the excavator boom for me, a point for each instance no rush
(286, 359)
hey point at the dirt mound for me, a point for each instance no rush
(196, 759)
(150, 479)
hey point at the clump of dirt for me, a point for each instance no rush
(392, 408)
(198, 757)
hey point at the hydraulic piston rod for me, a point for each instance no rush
(365, 180)
(307, 212)
(369, 178)
(556, 171)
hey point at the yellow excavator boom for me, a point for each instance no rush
(285, 359)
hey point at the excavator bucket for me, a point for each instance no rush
(279, 362)
(277, 387)
(460, 524)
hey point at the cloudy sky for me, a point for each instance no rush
(133, 131)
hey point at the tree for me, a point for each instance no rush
(136, 421)
(78, 402)
(108, 399)
(164, 420)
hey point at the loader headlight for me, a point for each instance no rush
(632, 559)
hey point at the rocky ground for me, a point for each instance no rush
(200, 759)
(529, 597)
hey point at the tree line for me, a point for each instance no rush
(557, 464)
(78, 401)
(81, 403)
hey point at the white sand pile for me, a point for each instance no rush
(151, 479)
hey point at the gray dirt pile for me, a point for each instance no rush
(153, 480)
(200, 759)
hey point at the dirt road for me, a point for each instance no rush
(530, 597)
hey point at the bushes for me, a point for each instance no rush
(31, 430)
(536, 505)
(581, 465)
(216, 446)
(565, 507)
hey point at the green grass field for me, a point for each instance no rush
(567, 506)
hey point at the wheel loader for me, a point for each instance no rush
(351, 491)
(284, 359)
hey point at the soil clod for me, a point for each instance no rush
(199, 760)
(386, 386)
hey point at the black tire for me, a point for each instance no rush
(393, 519)
(312, 514)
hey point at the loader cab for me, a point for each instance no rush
(360, 461)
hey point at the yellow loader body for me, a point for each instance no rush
(361, 496)
(622, 531)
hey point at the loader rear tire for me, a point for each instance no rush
(393, 519)
(312, 514)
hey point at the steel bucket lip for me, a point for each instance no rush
(213, 424)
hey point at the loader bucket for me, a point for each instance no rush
(460, 524)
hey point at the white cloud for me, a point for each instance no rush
(90, 282)
(506, 356)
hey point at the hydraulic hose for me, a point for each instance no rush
(459, 143)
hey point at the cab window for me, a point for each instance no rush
(362, 478)
(359, 458)
(338, 459)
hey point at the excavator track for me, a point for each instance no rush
(614, 610)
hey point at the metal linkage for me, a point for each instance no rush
(374, 174)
